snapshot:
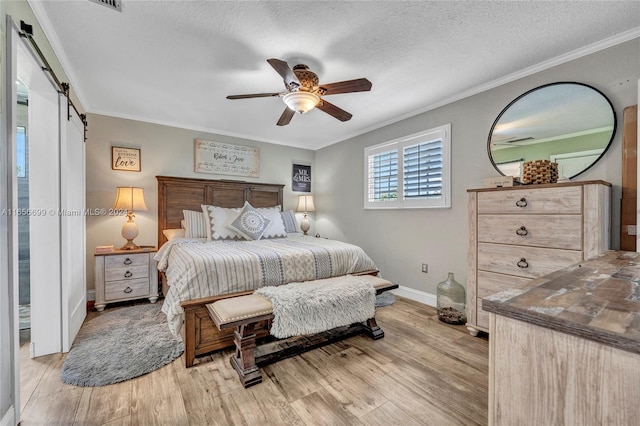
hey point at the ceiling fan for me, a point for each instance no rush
(305, 93)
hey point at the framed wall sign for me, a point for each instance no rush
(301, 178)
(127, 159)
(226, 159)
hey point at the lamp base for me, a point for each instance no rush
(305, 224)
(129, 233)
(130, 245)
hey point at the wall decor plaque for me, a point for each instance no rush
(301, 178)
(127, 159)
(226, 159)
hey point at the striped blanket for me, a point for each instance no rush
(196, 269)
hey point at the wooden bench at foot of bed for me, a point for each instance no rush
(201, 336)
(243, 314)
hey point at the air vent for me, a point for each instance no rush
(528, 138)
(111, 4)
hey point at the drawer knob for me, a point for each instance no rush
(128, 290)
(128, 261)
(522, 202)
(522, 231)
(523, 263)
(128, 274)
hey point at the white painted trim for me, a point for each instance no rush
(9, 418)
(91, 295)
(417, 295)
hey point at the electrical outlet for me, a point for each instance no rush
(425, 268)
(632, 230)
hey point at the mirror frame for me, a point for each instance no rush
(495, 122)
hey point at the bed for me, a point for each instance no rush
(188, 288)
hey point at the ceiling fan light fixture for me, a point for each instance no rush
(301, 102)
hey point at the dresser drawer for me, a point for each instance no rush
(563, 200)
(118, 290)
(523, 261)
(125, 260)
(552, 231)
(126, 273)
(490, 283)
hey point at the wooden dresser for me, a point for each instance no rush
(524, 232)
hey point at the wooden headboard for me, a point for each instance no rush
(177, 193)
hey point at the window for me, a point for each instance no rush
(511, 168)
(410, 172)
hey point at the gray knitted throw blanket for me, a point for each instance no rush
(314, 306)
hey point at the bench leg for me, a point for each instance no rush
(373, 330)
(244, 361)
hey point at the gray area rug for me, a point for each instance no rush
(385, 299)
(120, 345)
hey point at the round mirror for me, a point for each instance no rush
(571, 124)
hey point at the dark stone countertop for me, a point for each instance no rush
(597, 299)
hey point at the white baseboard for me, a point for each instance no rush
(91, 295)
(417, 295)
(9, 418)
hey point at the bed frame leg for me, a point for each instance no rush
(371, 326)
(244, 361)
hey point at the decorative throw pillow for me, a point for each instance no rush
(170, 234)
(276, 228)
(249, 223)
(216, 223)
(195, 224)
(290, 222)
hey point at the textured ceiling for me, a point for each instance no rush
(173, 62)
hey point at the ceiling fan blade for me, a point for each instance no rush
(286, 117)
(357, 85)
(333, 110)
(255, 95)
(285, 72)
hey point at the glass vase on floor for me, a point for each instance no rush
(451, 301)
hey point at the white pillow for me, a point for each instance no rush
(217, 220)
(249, 222)
(276, 227)
(195, 224)
(290, 222)
(173, 233)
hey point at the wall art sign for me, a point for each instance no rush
(226, 159)
(127, 159)
(301, 178)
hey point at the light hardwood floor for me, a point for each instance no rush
(423, 372)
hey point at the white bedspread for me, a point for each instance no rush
(196, 269)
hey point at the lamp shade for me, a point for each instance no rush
(305, 204)
(301, 102)
(130, 199)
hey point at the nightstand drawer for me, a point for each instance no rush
(117, 290)
(125, 260)
(126, 273)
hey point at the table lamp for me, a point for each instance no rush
(129, 198)
(305, 204)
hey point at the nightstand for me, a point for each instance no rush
(125, 275)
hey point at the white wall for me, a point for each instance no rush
(399, 241)
(166, 151)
